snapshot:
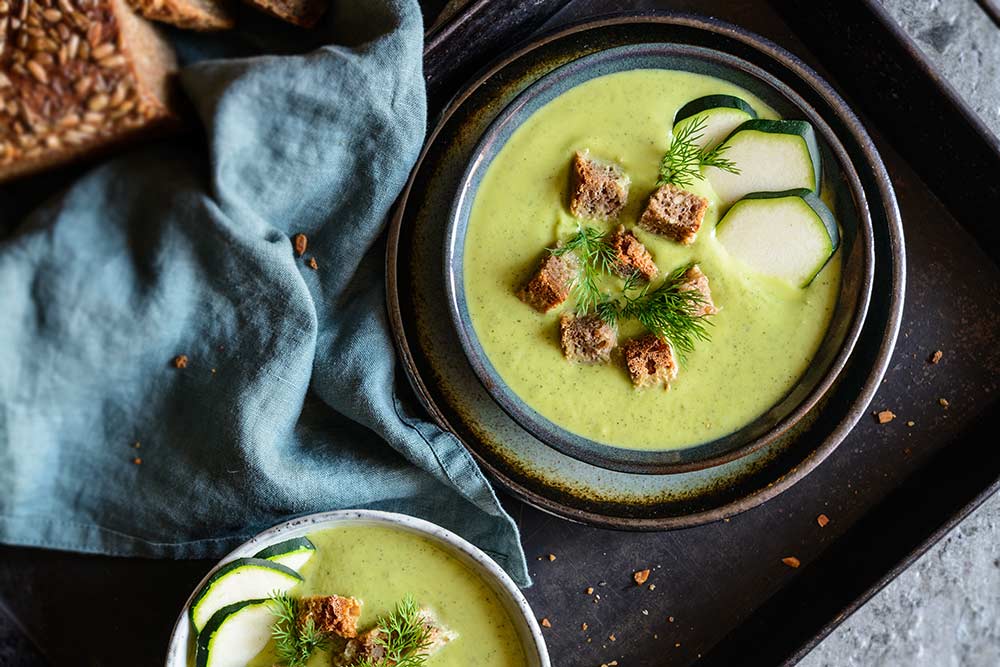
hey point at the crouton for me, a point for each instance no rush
(650, 361)
(599, 189)
(586, 338)
(674, 213)
(695, 280)
(550, 285)
(331, 614)
(438, 636)
(631, 255)
(365, 646)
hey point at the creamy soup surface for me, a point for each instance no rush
(381, 565)
(762, 340)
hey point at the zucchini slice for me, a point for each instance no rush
(772, 156)
(722, 114)
(235, 634)
(242, 579)
(293, 553)
(789, 235)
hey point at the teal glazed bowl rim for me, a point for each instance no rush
(857, 253)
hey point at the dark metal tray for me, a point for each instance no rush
(890, 491)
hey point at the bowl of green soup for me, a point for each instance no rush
(356, 588)
(659, 258)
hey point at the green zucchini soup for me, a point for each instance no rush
(354, 596)
(648, 262)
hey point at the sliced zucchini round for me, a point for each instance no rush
(721, 113)
(772, 156)
(235, 634)
(790, 235)
(293, 553)
(239, 580)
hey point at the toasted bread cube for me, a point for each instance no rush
(650, 361)
(331, 614)
(550, 285)
(599, 189)
(631, 255)
(586, 338)
(674, 213)
(695, 280)
(365, 646)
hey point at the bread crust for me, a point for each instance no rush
(202, 15)
(303, 13)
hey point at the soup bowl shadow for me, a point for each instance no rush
(857, 260)
(181, 647)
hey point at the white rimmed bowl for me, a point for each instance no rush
(536, 655)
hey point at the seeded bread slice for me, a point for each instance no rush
(550, 285)
(650, 361)
(631, 255)
(599, 189)
(674, 213)
(203, 15)
(304, 13)
(77, 76)
(586, 338)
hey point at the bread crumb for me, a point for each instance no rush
(583, 626)
(612, 638)
(546, 623)
(936, 357)
(822, 520)
(944, 402)
(590, 590)
(791, 561)
(652, 587)
(312, 263)
(911, 423)
(552, 557)
(301, 243)
(137, 461)
(677, 645)
(137, 444)
(181, 361)
(640, 577)
(670, 618)
(885, 416)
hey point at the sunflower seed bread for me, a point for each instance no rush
(303, 13)
(77, 76)
(203, 15)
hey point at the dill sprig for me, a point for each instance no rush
(294, 642)
(682, 162)
(404, 636)
(595, 257)
(669, 311)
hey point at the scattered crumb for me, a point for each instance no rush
(612, 637)
(652, 587)
(822, 520)
(584, 626)
(911, 423)
(301, 243)
(312, 263)
(885, 416)
(677, 645)
(671, 619)
(907, 451)
(645, 612)
(936, 357)
(944, 402)
(137, 461)
(641, 576)
(181, 361)
(552, 557)
(791, 561)
(546, 623)
(213, 371)
(590, 590)
(137, 444)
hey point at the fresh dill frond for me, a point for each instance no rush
(670, 312)
(682, 162)
(404, 635)
(595, 257)
(294, 642)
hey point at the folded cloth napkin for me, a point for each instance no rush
(288, 402)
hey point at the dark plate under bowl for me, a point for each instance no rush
(857, 251)
(446, 385)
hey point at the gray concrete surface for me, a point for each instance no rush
(945, 610)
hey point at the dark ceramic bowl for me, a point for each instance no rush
(857, 248)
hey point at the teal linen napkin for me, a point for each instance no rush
(288, 403)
